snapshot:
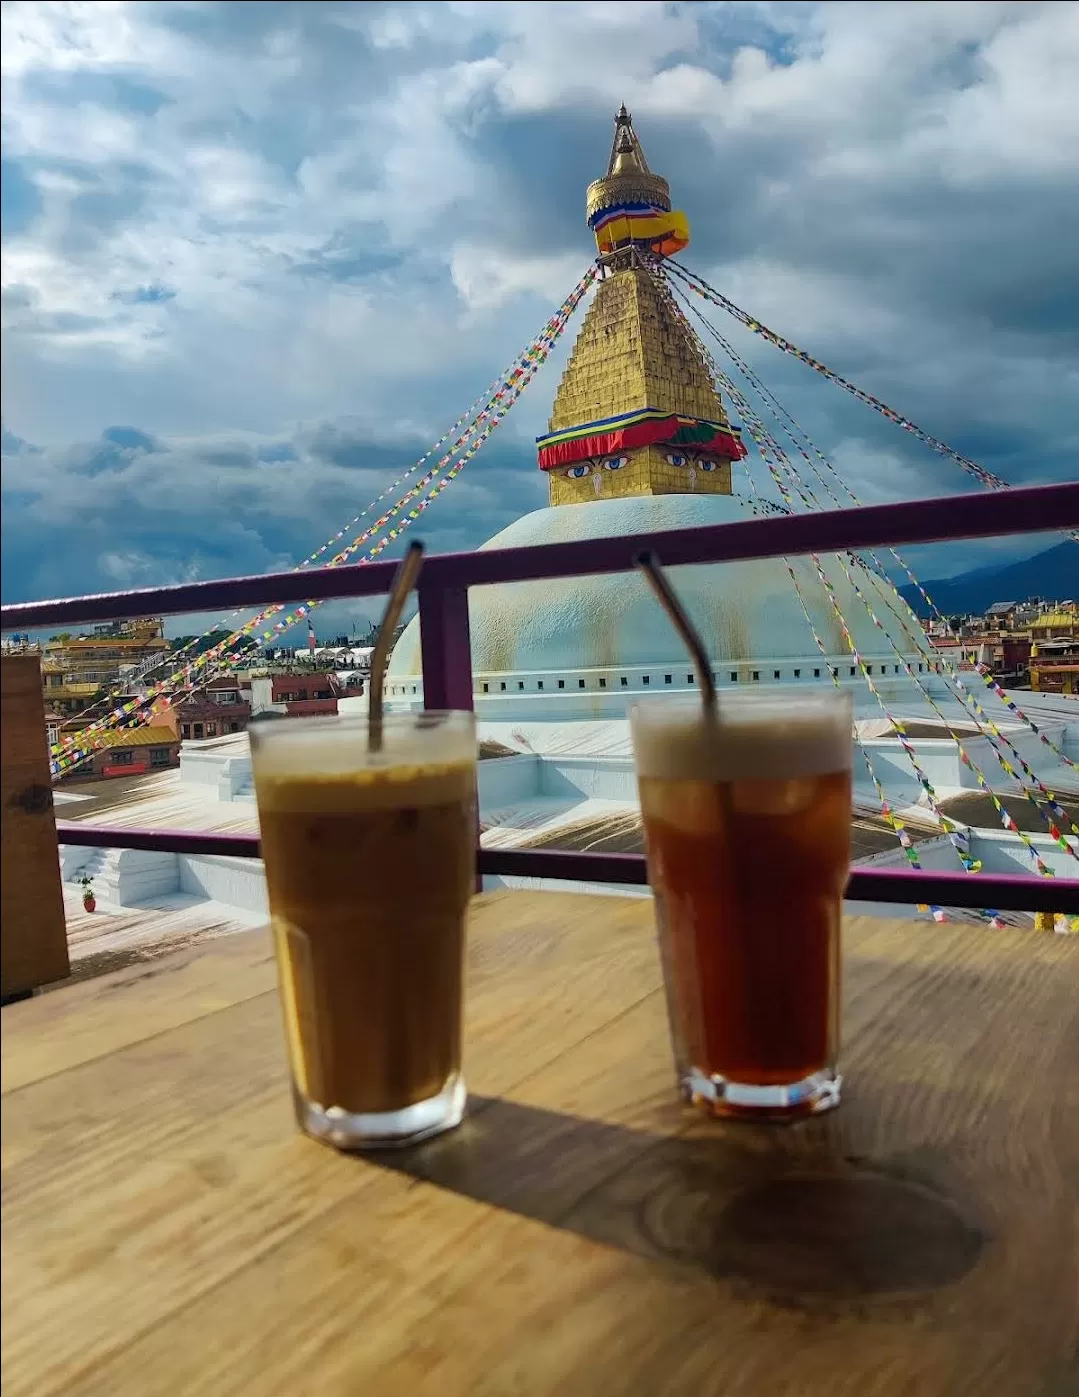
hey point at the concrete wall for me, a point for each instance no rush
(235, 882)
(504, 781)
(509, 780)
(601, 778)
(205, 764)
(234, 780)
(939, 759)
(998, 852)
(201, 765)
(525, 696)
(1001, 852)
(125, 877)
(130, 877)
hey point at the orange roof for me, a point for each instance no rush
(138, 737)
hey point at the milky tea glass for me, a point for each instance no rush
(370, 864)
(747, 825)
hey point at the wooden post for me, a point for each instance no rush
(33, 934)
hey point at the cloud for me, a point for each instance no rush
(285, 244)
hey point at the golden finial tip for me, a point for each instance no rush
(628, 178)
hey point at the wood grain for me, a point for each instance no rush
(33, 947)
(166, 1230)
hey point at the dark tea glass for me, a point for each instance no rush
(747, 812)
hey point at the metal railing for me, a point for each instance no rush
(446, 652)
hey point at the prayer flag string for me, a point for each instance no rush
(767, 444)
(917, 637)
(698, 285)
(503, 399)
(894, 822)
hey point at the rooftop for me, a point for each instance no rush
(137, 737)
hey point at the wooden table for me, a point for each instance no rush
(167, 1232)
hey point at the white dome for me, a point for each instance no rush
(748, 614)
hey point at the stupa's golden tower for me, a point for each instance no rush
(637, 411)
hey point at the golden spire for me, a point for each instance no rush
(637, 411)
(627, 155)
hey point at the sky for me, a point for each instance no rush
(258, 257)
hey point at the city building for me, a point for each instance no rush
(295, 694)
(132, 752)
(75, 669)
(1059, 623)
(960, 653)
(53, 723)
(64, 694)
(108, 653)
(219, 707)
(1054, 666)
(1002, 613)
(1010, 657)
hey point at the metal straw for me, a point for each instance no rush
(649, 565)
(404, 580)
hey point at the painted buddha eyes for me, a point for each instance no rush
(679, 458)
(615, 463)
(611, 463)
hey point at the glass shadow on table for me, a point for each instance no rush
(806, 1226)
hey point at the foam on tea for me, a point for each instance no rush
(325, 763)
(767, 739)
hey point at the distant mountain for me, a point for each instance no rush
(1053, 575)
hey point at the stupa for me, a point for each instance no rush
(639, 440)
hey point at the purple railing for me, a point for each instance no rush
(446, 652)
(1006, 892)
